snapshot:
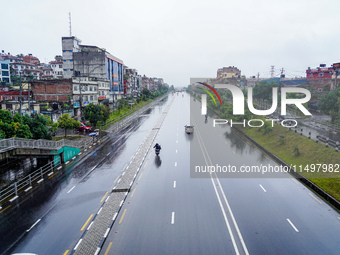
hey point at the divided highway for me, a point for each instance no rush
(168, 211)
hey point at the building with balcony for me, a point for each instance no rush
(320, 76)
(228, 72)
(5, 74)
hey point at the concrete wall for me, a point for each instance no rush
(90, 64)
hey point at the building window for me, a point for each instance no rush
(65, 70)
(91, 88)
(64, 60)
(60, 66)
(70, 51)
(4, 66)
(5, 73)
(71, 60)
(75, 88)
(94, 88)
(91, 98)
(321, 74)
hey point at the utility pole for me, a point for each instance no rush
(272, 71)
(80, 99)
(29, 100)
(20, 95)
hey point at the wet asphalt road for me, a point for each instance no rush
(60, 207)
(171, 209)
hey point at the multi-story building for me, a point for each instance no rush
(93, 62)
(103, 90)
(31, 59)
(228, 72)
(27, 70)
(145, 82)
(47, 72)
(132, 82)
(320, 76)
(70, 45)
(5, 74)
(85, 92)
(57, 67)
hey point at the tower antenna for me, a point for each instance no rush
(69, 18)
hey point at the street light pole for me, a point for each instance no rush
(20, 95)
(80, 99)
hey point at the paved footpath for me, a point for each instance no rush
(94, 237)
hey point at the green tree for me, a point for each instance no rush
(39, 129)
(95, 113)
(6, 116)
(329, 104)
(52, 126)
(13, 126)
(264, 90)
(66, 122)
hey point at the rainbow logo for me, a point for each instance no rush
(213, 90)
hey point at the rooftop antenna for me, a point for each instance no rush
(69, 18)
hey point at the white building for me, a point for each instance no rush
(69, 45)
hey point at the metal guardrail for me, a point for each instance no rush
(11, 192)
(14, 143)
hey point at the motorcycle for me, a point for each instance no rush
(157, 151)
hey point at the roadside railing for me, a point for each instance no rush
(14, 143)
(11, 192)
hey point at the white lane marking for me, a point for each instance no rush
(74, 157)
(85, 150)
(50, 174)
(71, 189)
(59, 167)
(173, 218)
(174, 184)
(90, 225)
(97, 251)
(175, 163)
(108, 154)
(233, 218)
(234, 152)
(263, 188)
(176, 151)
(225, 218)
(292, 225)
(77, 244)
(107, 232)
(99, 210)
(28, 230)
(176, 141)
(67, 162)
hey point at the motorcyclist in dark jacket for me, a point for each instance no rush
(157, 146)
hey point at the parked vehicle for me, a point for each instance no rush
(85, 128)
(189, 129)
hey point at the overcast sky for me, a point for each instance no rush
(179, 39)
